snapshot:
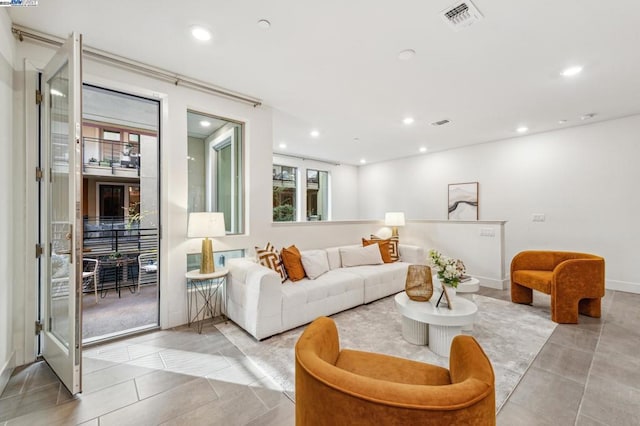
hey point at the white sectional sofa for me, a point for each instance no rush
(260, 303)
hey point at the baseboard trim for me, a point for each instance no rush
(493, 283)
(7, 369)
(623, 286)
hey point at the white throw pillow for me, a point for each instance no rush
(314, 262)
(356, 256)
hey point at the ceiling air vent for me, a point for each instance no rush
(461, 14)
(440, 123)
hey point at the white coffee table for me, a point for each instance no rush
(422, 322)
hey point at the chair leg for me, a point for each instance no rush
(590, 307)
(95, 287)
(521, 294)
(564, 312)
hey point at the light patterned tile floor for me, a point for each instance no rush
(181, 377)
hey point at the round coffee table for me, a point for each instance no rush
(422, 322)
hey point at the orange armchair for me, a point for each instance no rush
(348, 387)
(575, 282)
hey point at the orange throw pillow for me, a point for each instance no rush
(293, 263)
(383, 245)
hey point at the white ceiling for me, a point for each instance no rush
(332, 65)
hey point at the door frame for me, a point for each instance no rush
(28, 349)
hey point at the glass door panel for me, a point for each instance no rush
(62, 201)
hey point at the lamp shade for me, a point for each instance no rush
(394, 219)
(205, 225)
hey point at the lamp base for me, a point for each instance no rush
(394, 232)
(206, 261)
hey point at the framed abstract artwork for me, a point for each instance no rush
(463, 201)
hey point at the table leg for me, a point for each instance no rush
(440, 338)
(415, 332)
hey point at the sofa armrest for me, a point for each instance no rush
(411, 254)
(254, 299)
(578, 278)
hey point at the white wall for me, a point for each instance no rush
(583, 179)
(7, 159)
(344, 185)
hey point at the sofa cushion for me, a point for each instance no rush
(333, 255)
(381, 280)
(383, 245)
(270, 258)
(394, 246)
(357, 256)
(537, 280)
(293, 263)
(332, 283)
(315, 263)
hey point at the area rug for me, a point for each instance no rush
(510, 334)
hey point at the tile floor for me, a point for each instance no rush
(586, 374)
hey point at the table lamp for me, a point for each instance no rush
(394, 219)
(206, 225)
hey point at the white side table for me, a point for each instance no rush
(210, 287)
(468, 288)
(443, 323)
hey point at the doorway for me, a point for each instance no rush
(112, 201)
(120, 209)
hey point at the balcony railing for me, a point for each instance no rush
(107, 235)
(104, 157)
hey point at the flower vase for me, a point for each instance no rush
(438, 284)
(451, 291)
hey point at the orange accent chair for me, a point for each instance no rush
(349, 387)
(575, 282)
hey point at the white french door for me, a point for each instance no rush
(61, 203)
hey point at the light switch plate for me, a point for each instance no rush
(538, 217)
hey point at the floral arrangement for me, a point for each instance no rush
(449, 270)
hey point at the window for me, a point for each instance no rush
(284, 193)
(317, 195)
(215, 154)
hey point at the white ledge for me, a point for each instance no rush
(381, 222)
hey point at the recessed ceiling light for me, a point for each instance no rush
(200, 33)
(314, 133)
(205, 123)
(282, 145)
(522, 129)
(363, 161)
(264, 24)
(562, 121)
(423, 149)
(406, 54)
(571, 71)
(588, 116)
(408, 120)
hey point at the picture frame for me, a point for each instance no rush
(446, 296)
(463, 201)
